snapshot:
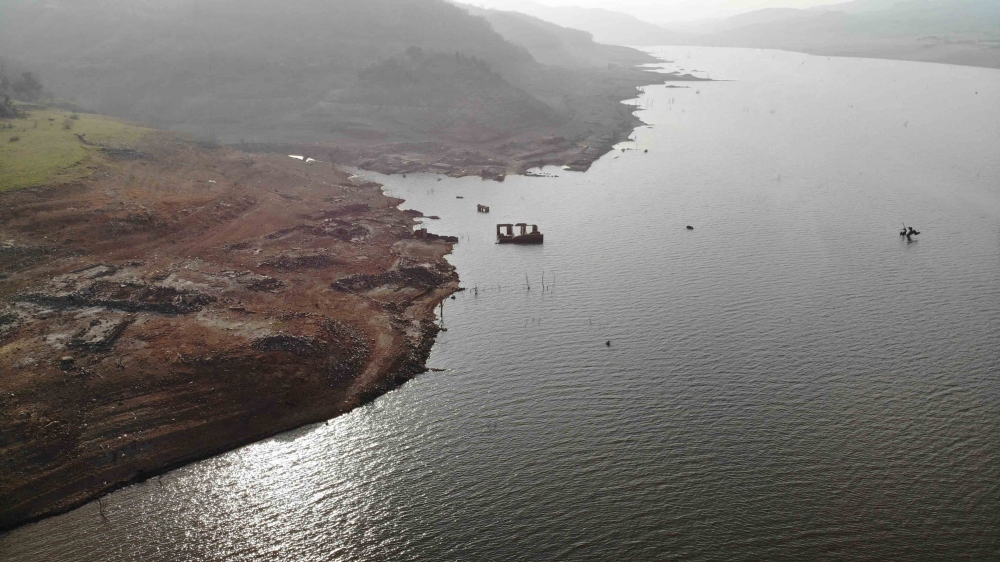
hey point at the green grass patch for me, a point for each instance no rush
(44, 147)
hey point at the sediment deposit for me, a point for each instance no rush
(189, 299)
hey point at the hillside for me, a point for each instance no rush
(298, 74)
(553, 44)
(605, 26)
(52, 145)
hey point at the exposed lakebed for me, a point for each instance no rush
(790, 380)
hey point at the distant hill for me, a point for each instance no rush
(951, 31)
(606, 26)
(858, 6)
(756, 17)
(554, 44)
(355, 73)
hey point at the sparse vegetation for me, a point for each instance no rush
(43, 154)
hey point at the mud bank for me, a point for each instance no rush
(189, 301)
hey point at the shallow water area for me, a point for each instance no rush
(790, 380)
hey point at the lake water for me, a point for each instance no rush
(791, 380)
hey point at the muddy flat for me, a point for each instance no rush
(180, 300)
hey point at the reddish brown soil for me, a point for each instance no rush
(182, 302)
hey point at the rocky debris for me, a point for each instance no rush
(123, 153)
(130, 296)
(233, 208)
(391, 164)
(237, 246)
(494, 174)
(100, 334)
(288, 196)
(469, 159)
(9, 323)
(422, 234)
(340, 230)
(256, 282)
(353, 349)
(298, 345)
(421, 277)
(346, 210)
(95, 271)
(415, 363)
(680, 77)
(345, 350)
(291, 263)
(14, 257)
(136, 221)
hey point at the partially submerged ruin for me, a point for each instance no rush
(505, 234)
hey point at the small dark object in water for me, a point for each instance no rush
(645, 151)
(505, 234)
(689, 227)
(908, 232)
(459, 197)
(453, 297)
(608, 343)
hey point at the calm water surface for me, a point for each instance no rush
(789, 381)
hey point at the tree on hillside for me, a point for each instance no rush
(28, 88)
(7, 109)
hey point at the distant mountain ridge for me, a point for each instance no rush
(554, 44)
(950, 31)
(606, 26)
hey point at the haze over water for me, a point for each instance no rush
(791, 380)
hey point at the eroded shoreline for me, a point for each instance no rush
(186, 300)
(183, 303)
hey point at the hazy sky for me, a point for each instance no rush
(666, 10)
